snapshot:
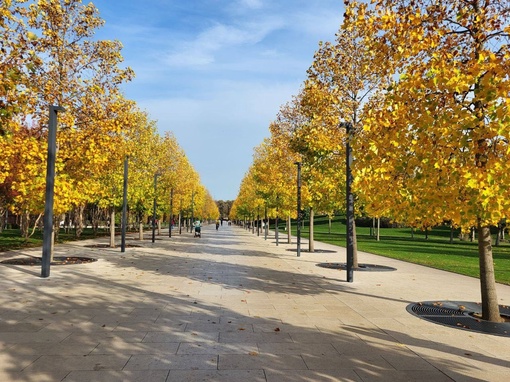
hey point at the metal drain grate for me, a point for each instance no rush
(314, 251)
(57, 260)
(461, 315)
(426, 310)
(361, 267)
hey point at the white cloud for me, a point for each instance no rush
(216, 72)
(231, 121)
(323, 24)
(201, 50)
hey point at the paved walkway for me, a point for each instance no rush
(232, 306)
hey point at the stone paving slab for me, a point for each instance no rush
(231, 306)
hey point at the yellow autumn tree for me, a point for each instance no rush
(250, 202)
(340, 84)
(209, 209)
(440, 140)
(278, 188)
(62, 65)
(15, 58)
(187, 194)
(83, 76)
(123, 115)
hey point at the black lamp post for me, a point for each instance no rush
(154, 209)
(170, 223)
(298, 228)
(349, 201)
(258, 222)
(266, 222)
(276, 224)
(192, 207)
(180, 217)
(124, 207)
(50, 190)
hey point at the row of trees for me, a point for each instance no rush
(425, 86)
(48, 56)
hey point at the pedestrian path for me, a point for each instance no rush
(231, 306)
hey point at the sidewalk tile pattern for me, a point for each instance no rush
(231, 306)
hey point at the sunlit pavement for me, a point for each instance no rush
(232, 306)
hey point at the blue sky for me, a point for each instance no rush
(215, 72)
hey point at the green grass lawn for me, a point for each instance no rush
(436, 251)
(11, 239)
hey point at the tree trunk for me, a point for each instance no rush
(79, 220)
(289, 230)
(67, 222)
(56, 227)
(451, 234)
(490, 308)
(54, 235)
(311, 247)
(2, 218)
(112, 228)
(37, 222)
(329, 224)
(94, 212)
(25, 225)
(276, 229)
(140, 230)
(378, 228)
(159, 227)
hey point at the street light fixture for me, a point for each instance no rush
(50, 190)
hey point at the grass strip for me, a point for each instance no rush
(402, 244)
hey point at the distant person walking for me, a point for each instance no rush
(217, 224)
(198, 228)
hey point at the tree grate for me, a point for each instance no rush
(312, 252)
(461, 315)
(57, 260)
(360, 267)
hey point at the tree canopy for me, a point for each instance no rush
(424, 85)
(49, 56)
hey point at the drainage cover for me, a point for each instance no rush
(109, 246)
(314, 251)
(361, 267)
(462, 315)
